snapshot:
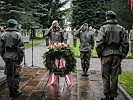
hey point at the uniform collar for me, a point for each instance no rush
(111, 21)
(56, 29)
(12, 29)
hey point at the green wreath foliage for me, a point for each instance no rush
(59, 52)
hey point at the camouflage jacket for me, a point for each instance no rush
(65, 35)
(112, 40)
(131, 35)
(55, 35)
(11, 45)
(86, 40)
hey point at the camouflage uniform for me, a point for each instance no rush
(55, 35)
(86, 45)
(12, 53)
(46, 37)
(111, 46)
(131, 40)
(65, 37)
(74, 38)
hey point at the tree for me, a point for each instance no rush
(32, 13)
(122, 8)
(26, 12)
(53, 12)
(88, 11)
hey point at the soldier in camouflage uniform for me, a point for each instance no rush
(55, 33)
(111, 46)
(74, 38)
(65, 36)
(131, 40)
(12, 53)
(86, 45)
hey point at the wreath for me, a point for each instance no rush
(59, 51)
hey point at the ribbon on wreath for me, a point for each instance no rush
(53, 77)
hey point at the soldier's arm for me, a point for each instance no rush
(47, 33)
(124, 44)
(2, 49)
(62, 37)
(77, 33)
(0, 45)
(92, 41)
(100, 42)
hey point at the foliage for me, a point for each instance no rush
(124, 14)
(88, 11)
(32, 13)
(53, 12)
(126, 80)
(60, 51)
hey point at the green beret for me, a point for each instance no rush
(85, 24)
(110, 13)
(12, 21)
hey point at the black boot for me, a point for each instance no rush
(105, 98)
(83, 74)
(111, 98)
(14, 92)
(86, 72)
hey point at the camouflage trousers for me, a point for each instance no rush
(74, 42)
(12, 69)
(132, 48)
(85, 59)
(111, 67)
(47, 41)
(65, 41)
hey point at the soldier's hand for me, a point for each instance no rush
(81, 27)
(51, 26)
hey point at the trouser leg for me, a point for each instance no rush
(132, 48)
(87, 61)
(114, 75)
(47, 41)
(13, 76)
(82, 55)
(106, 70)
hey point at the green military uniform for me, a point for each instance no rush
(74, 38)
(86, 45)
(46, 37)
(131, 40)
(55, 35)
(65, 37)
(111, 46)
(12, 53)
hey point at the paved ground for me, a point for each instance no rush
(33, 81)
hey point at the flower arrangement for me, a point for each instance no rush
(59, 51)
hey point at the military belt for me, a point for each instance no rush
(112, 47)
(10, 49)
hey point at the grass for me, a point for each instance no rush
(126, 80)
(35, 42)
(94, 53)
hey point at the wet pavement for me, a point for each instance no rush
(33, 82)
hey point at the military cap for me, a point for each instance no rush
(12, 21)
(110, 13)
(85, 24)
